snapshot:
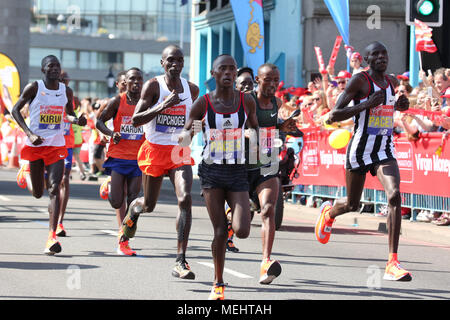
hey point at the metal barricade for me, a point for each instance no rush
(376, 197)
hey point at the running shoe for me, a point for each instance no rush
(129, 223)
(217, 292)
(231, 247)
(22, 176)
(270, 269)
(395, 272)
(60, 231)
(323, 224)
(124, 249)
(52, 246)
(104, 188)
(182, 270)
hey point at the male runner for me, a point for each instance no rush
(164, 106)
(244, 83)
(69, 136)
(263, 175)
(126, 140)
(223, 174)
(371, 149)
(45, 146)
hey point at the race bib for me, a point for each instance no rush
(50, 117)
(225, 144)
(381, 120)
(171, 119)
(128, 131)
(266, 140)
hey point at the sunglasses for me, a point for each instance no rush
(341, 82)
(316, 99)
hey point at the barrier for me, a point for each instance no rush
(424, 170)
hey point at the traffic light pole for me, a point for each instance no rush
(414, 63)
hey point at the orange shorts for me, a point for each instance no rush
(156, 160)
(50, 155)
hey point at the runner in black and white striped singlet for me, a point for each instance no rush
(372, 141)
(370, 149)
(223, 173)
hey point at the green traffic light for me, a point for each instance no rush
(425, 8)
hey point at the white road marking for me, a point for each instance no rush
(3, 198)
(232, 272)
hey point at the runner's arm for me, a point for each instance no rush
(147, 109)
(28, 94)
(357, 87)
(197, 113)
(70, 113)
(108, 113)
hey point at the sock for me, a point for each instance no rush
(393, 257)
(180, 257)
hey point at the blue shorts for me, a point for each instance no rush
(128, 168)
(69, 159)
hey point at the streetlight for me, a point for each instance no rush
(111, 81)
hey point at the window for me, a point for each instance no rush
(108, 5)
(69, 59)
(37, 54)
(152, 63)
(138, 6)
(132, 59)
(123, 6)
(83, 89)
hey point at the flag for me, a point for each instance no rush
(183, 2)
(423, 37)
(249, 18)
(339, 10)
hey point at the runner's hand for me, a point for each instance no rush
(36, 140)
(376, 98)
(171, 100)
(81, 121)
(116, 137)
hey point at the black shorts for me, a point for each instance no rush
(372, 168)
(230, 177)
(255, 178)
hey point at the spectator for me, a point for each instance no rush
(355, 62)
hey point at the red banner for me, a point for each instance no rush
(424, 164)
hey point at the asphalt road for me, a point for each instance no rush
(350, 266)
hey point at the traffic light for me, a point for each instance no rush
(428, 11)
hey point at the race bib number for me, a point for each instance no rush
(266, 140)
(171, 120)
(225, 144)
(50, 117)
(381, 120)
(128, 131)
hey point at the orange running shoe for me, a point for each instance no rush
(52, 246)
(21, 176)
(395, 272)
(323, 224)
(270, 269)
(104, 188)
(124, 249)
(217, 292)
(60, 231)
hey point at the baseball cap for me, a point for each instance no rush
(343, 75)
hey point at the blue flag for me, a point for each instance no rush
(249, 18)
(183, 2)
(339, 10)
